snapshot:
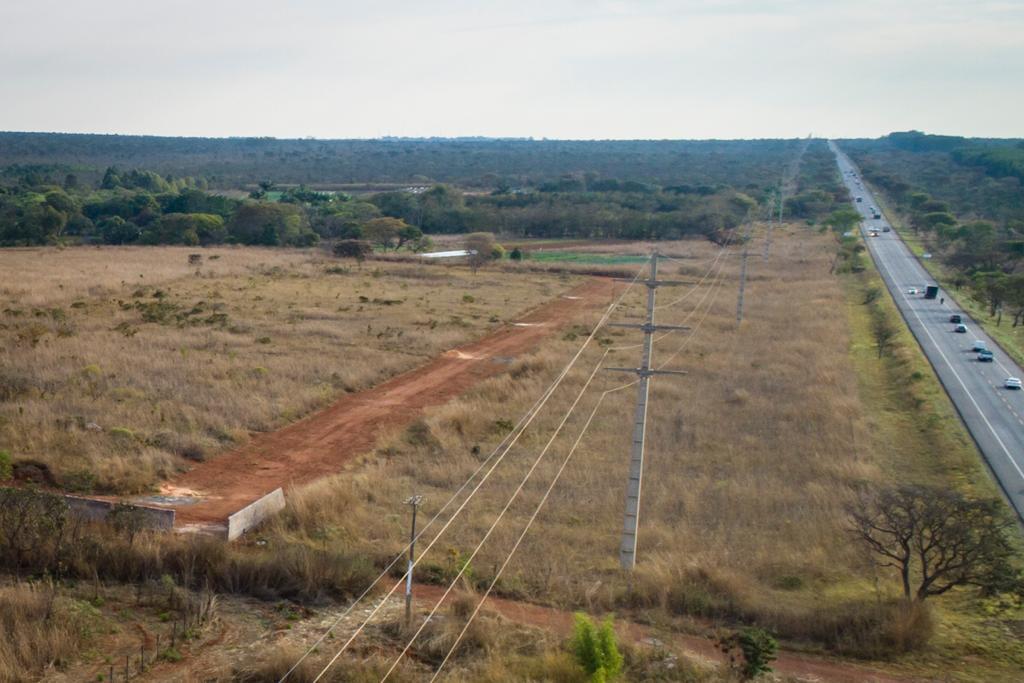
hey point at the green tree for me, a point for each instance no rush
(407, 234)
(384, 232)
(111, 179)
(187, 228)
(402, 205)
(271, 224)
(992, 286)
(116, 230)
(595, 649)
(843, 219)
(1014, 293)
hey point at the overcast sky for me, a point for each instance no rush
(541, 68)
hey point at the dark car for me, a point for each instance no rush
(955, 318)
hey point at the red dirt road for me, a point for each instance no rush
(560, 622)
(320, 444)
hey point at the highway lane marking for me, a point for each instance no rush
(959, 379)
(881, 259)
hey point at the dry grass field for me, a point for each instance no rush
(119, 366)
(752, 458)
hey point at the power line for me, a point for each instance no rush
(525, 530)
(507, 448)
(715, 264)
(501, 515)
(517, 430)
(544, 499)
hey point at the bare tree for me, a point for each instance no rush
(481, 247)
(884, 332)
(935, 539)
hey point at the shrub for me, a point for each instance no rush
(749, 652)
(356, 249)
(6, 471)
(122, 433)
(420, 434)
(595, 649)
(39, 629)
(81, 481)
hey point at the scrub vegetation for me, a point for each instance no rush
(960, 200)
(754, 529)
(121, 366)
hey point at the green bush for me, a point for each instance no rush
(5, 465)
(749, 651)
(595, 649)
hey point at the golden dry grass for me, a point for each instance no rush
(38, 629)
(751, 459)
(119, 364)
(749, 456)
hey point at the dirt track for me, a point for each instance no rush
(560, 622)
(320, 444)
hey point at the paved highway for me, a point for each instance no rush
(993, 414)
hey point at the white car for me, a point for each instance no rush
(926, 255)
(913, 290)
(979, 345)
(1012, 383)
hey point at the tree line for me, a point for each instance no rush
(143, 207)
(230, 163)
(965, 199)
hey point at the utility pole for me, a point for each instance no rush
(414, 501)
(768, 231)
(743, 271)
(787, 185)
(627, 549)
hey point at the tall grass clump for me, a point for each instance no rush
(38, 630)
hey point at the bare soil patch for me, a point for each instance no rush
(322, 443)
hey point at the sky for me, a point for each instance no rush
(587, 69)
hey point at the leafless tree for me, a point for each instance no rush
(935, 539)
(481, 247)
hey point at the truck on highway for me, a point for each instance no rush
(931, 291)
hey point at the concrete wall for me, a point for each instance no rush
(254, 513)
(97, 510)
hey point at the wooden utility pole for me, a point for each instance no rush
(414, 501)
(627, 549)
